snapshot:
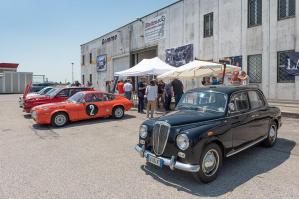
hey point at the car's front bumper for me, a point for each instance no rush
(171, 162)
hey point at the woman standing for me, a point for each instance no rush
(151, 94)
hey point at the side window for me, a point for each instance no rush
(256, 101)
(240, 101)
(63, 93)
(91, 97)
(74, 91)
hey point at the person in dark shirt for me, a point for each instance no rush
(161, 86)
(167, 96)
(178, 90)
(141, 93)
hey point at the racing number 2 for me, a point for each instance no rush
(92, 109)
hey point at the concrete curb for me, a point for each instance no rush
(290, 115)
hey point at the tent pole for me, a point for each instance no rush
(224, 69)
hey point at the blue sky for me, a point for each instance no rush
(44, 36)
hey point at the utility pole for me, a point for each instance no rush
(72, 72)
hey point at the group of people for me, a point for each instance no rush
(152, 94)
(237, 78)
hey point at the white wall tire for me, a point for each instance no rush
(210, 163)
(272, 135)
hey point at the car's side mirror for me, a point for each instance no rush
(231, 107)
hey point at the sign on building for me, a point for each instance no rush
(235, 61)
(101, 63)
(292, 63)
(154, 29)
(180, 55)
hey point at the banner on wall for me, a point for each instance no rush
(291, 64)
(179, 56)
(235, 61)
(154, 29)
(101, 63)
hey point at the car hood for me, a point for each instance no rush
(182, 117)
(37, 97)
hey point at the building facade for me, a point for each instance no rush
(257, 35)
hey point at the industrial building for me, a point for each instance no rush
(261, 36)
(12, 81)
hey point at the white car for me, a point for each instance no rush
(41, 92)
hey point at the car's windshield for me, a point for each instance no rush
(44, 90)
(76, 98)
(203, 101)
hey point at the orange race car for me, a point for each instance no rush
(83, 105)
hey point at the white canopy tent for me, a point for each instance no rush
(197, 69)
(154, 66)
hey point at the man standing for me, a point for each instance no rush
(128, 87)
(167, 96)
(141, 93)
(178, 90)
(161, 86)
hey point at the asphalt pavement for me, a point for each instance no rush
(96, 159)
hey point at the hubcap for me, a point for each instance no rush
(60, 120)
(118, 112)
(210, 162)
(272, 133)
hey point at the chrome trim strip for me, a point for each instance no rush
(169, 162)
(246, 147)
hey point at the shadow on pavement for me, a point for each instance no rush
(83, 122)
(236, 170)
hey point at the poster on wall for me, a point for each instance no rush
(179, 56)
(154, 29)
(101, 63)
(235, 61)
(291, 64)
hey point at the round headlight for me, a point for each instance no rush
(143, 131)
(182, 141)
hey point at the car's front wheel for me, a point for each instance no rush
(272, 135)
(59, 119)
(210, 163)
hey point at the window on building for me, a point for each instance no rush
(83, 59)
(282, 75)
(83, 80)
(208, 25)
(286, 9)
(254, 12)
(90, 78)
(90, 58)
(254, 63)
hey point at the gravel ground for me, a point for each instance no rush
(96, 159)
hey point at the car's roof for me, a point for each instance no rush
(224, 89)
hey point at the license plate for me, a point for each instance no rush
(156, 161)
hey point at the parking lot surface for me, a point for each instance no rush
(96, 159)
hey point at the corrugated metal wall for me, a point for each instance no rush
(14, 82)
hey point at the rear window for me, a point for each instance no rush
(256, 100)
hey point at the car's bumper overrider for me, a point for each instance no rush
(171, 162)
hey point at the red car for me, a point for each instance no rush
(81, 106)
(57, 95)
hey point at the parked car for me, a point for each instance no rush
(57, 95)
(41, 92)
(208, 125)
(36, 87)
(81, 106)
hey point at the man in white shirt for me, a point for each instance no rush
(128, 87)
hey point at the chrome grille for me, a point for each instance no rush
(160, 136)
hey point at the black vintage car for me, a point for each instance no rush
(209, 124)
